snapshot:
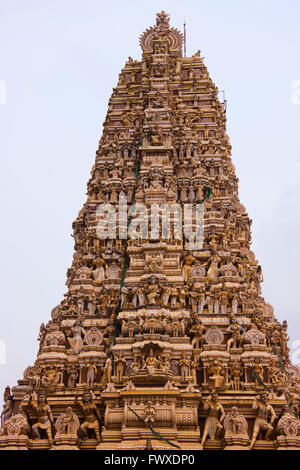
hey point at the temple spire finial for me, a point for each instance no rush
(162, 30)
(162, 20)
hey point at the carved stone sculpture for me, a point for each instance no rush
(67, 424)
(262, 423)
(213, 423)
(91, 415)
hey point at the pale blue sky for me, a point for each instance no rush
(59, 60)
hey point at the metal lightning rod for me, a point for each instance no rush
(184, 38)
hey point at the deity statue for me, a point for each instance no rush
(184, 364)
(135, 365)
(166, 295)
(42, 336)
(262, 423)
(51, 377)
(154, 262)
(216, 414)
(90, 375)
(174, 296)
(186, 266)
(236, 334)
(153, 292)
(198, 330)
(107, 372)
(164, 364)
(194, 366)
(149, 414)
(44, 415)
(99, 271)
(141, 296)
(76, 341)
(216, 373)
(236, 373)
(150, 363)
(124, 296)
(72, 379)
(257, 373)
(120, 363)
(213, 270)
(91, 414)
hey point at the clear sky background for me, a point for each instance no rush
(59, 60)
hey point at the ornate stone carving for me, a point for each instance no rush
(150, 316)
(93, 337)
(76, 340)
(254, 336)
(67, 424)
(214, 336)
(161, 31)
(288, 425)
(55, 338)
(235, 424)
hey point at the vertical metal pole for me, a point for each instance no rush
(184, 36)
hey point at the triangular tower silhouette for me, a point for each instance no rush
(162, 341)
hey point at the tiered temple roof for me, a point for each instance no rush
(160, 340)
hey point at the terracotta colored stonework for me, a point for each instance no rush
(156, 344)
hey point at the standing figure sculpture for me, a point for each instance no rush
(120, 363)
(236, 373)
(198, 331)
(90, 375)
(91, 414)
(264, 410)
(72, 379)
(44, 416)
(184, 364)
(194, 366)
(42, 336)
(216, 414)
(107, 372)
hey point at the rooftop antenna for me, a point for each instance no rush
(184, 38)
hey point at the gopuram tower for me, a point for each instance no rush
(162, 340)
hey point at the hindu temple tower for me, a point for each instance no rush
(159, 342)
